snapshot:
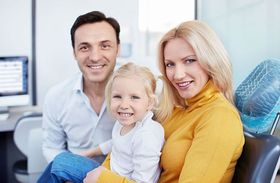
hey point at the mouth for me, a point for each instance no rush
(125, 114)
(96, 66)
(184, 85)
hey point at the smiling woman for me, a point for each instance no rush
(203, 131)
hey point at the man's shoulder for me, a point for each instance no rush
(65, 86)
(60, 92)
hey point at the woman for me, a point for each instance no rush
(203, 131)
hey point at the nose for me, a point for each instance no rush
(95, 54)
(124, 104)
(180, 72)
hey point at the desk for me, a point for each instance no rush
(8, 151)
(15, 114)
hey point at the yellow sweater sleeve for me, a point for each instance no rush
(109, 176)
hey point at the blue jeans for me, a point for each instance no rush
(67, 167)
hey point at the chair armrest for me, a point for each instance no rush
(36, 161)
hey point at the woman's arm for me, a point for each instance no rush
(101, 174)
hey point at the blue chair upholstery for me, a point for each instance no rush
(259, 160)
(258, 97)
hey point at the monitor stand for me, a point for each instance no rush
(4, 113)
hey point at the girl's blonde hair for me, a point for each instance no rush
(128, 70)
(211, 55)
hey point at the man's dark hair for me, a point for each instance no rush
(92, 17)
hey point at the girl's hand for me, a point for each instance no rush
(93, 175)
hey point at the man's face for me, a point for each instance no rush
(95, 50)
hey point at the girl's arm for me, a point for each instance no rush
(102, 149)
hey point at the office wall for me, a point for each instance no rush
(15, 30)
(249, 29)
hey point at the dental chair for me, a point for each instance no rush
(28, 139)
(258, 97)
(258, 100)
(259, 160)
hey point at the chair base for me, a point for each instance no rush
(22, 178)
(20, 171)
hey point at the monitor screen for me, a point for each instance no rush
(14, 81)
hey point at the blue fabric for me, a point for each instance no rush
(258, 97)
(67, 167)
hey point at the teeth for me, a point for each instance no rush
(95, 66)
(184, 84)
(125, 114)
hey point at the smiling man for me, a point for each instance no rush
(74, 115)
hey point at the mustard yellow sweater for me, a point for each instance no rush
(203, 142)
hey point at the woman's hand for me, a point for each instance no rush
(93, 175)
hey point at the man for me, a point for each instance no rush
(75, 116)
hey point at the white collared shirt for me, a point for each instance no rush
(68, 118)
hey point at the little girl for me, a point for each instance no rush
(137, 139)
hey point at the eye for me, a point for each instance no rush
(189, 61)
(105, 46)
(83, 48)
(135, 97)
(169, 64)
(116, 96)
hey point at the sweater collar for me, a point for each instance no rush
(207, 92)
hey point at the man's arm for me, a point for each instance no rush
(54, 138)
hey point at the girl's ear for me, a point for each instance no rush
(151, 104)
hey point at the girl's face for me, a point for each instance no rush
(129, 100)
(183, 69)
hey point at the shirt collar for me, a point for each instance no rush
(207, 92)
(148, 116)
(78, 86)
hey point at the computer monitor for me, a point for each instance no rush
(13, 83)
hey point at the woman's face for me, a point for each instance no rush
(183, 69)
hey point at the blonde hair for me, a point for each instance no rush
(211, 55)
(128, 70)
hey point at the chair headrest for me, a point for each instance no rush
(258, 96)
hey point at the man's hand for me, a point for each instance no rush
(87, 153)
(93, 175)
(92, 152)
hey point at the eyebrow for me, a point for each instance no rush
(106, 41)
(187, 57)
(83, 43)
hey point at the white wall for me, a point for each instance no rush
(15, 29)
(249, 29)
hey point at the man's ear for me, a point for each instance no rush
(119, 49)
(74, 54)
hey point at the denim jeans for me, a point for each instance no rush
(67, 167)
